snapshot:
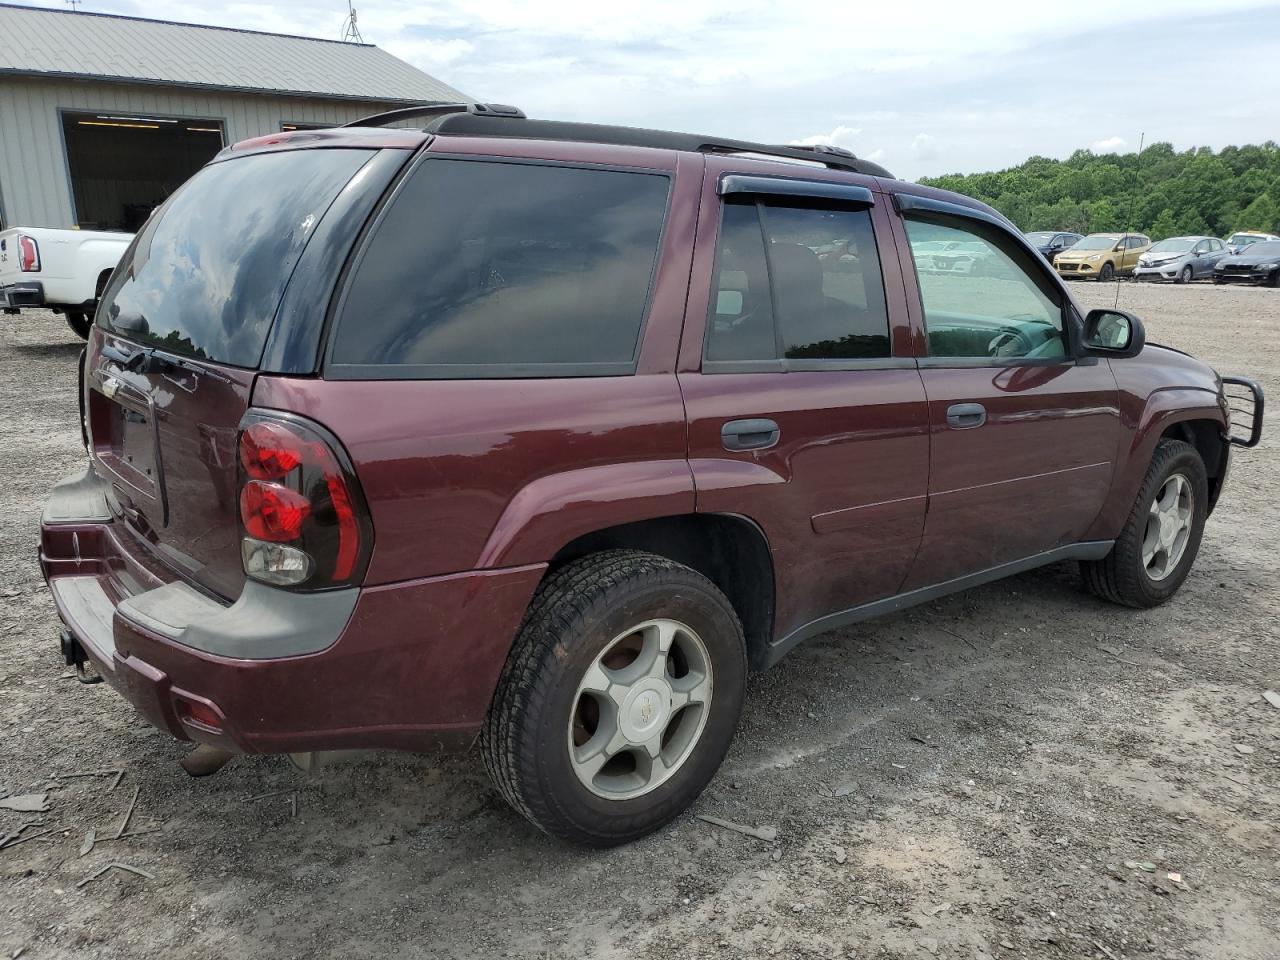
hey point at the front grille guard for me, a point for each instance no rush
(1246, 402)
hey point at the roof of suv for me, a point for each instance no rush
(496, 120)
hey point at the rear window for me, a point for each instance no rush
(205, 275)
(489, 268)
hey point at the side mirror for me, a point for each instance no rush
(1118, 247)
(1113, 333)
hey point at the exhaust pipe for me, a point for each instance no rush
(205, 761)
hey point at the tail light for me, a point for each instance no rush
(28, 254)
(303, 517)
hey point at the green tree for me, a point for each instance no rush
(1162, 192)
(1163, 226)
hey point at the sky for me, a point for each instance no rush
(923, 87)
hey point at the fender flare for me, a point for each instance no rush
(557, 509)
(1163, 408)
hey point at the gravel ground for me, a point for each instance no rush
(1019, 771)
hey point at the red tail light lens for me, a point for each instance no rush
(28, 254)
(272, 512)
(305, 522)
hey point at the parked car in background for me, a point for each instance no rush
(1180, 259)
(60, 270)
(545, 435)
(1238, 241)
(1050, 244)
(1259, 263)
(1102, 256)
(954, 256)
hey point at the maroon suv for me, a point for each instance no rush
(547, 434)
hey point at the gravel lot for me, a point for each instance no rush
(1012, 772)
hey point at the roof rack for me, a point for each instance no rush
(437, 110)
(500, 120)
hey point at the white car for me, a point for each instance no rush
(60, 270)
(1243, 238)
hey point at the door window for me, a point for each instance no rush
(796, 282)
(980, 299)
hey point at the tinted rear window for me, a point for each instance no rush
(205, 275)
(484, 268)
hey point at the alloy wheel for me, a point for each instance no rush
(1168, 527)
(640, 709)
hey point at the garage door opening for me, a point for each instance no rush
(123, 166)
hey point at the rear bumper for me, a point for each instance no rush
(409, 665)
(28, 293)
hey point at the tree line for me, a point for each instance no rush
(1160, 192)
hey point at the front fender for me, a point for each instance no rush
(556, 509)
(1147, 424)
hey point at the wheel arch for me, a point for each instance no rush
(728, 549)
(1206, 436)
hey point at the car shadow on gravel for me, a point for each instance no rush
(48, 351)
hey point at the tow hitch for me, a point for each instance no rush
(75, 656)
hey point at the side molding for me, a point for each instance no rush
(1091, 550)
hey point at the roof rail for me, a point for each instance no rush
(495, 120)
(438, 110)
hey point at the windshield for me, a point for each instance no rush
(1173, 245)
(206, 274)
(1040, 239)
(1104, 242)
(1266, 248)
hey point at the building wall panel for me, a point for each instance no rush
(35, 184)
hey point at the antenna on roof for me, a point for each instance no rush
(350, 30)
(74, 5)
(1128, 217)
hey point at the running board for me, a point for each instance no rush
(1091, 550)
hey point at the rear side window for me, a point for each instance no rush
(206, 274)
(487, 268)
(798, 282)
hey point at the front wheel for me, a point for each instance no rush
(619, 698)
(80, 323)
(1160, 539)
(1107, 273)
(1185, 274)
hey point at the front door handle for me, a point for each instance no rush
(962, 416)
(756, 434)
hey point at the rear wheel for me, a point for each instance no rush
(1160, 539)
(79, 322)
(619, 698)
(1107, 273)
(1185, 274)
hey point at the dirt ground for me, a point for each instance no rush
(1019, 771)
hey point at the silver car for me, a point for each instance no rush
(1180, 259)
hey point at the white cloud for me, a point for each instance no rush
(1109, 145)
(987, 86)
(925, 147)
(840, 136)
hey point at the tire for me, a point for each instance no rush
(579, 614)
(1107, 273)
(1275, 279)
(80, 323)
(1218, 281)
(1185, 275)
(1123, 576)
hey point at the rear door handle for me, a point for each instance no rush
(962, 416)
(754, 434)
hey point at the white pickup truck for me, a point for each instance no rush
(60, 270)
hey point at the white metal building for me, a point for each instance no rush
(102, 117)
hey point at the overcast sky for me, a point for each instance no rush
(922, 86)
